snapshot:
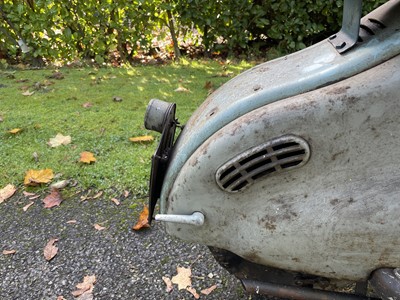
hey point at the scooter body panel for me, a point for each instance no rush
(338, 215)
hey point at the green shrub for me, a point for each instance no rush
(96, 29)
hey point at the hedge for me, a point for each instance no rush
(104, 29)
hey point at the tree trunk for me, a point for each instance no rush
(171, 27)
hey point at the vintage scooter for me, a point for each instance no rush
(290, 172)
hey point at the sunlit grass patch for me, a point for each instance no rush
(83, 105)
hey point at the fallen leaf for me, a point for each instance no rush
(35, 177)
(86, 286)
(56, 75)
(126, 193)
(87, 157)
(15, 130)
(208, 85)
(142, 139)
(60, 298)
(53, 199)
(99, 227)
(117, 99)
(35, 156)
(27, 194)
(87, 104)
(168, 283)
(9, 252)
(48, 82)
(143, 221)
(193, 291)
(59, 140)
(72, 222)
(25, 208)
(28, 93)
(59, 184)
(182, 278)
(97, 195)
(116, 201)
(34, 197)
(50, 251)
(209, 290)
(7, 192)
(181, 89)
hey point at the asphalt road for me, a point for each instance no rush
(126, 264)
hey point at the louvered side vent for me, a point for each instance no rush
(277, 155)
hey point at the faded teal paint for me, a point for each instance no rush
(269, 82)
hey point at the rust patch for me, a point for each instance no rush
(268, 222)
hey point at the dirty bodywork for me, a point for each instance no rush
(294, 163)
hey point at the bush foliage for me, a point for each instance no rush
(120, 30)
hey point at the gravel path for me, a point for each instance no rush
(127, 264)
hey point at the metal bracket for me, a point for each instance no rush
(197, 218)
(348, 35)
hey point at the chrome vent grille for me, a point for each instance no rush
(277, 155)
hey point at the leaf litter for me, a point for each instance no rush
(9, 252)
(36, 177)
(143, 221)
(87, 157)
(53, 199)
(85, 288)
(59, 140)
(50, 251)
(7, 192)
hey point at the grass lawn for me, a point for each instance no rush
(80, 103)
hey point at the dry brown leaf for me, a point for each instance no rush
(7, 192)
(87, 157)
(193, 291)
(50, 251)
(28, 93)
(182, 278)
(208, 85)
(142, 139)
(59, 184)
(99, 227)
(116, 201)
(53, 199)
(56, 75)
(97, 195)
(35, 177)
(87, 104)
(9, 252)
(143, 221)
(27, 194)
(25, 208)
(126, 193)
(59, 140)
(15, 130)
(60, 298)
(181, 89)
(168, 283)
(86, 286)
(209, 290)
